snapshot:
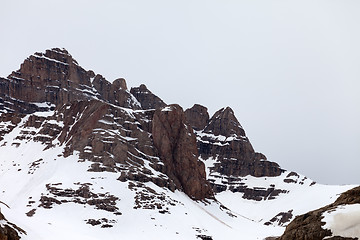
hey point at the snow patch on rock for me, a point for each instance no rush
(343, 221)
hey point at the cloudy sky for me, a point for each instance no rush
(289, 69)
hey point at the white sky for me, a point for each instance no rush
(289, 69)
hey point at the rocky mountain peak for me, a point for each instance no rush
(147, 99)
(224, 123)
(224, 147)
(55, 78)
(58, 54)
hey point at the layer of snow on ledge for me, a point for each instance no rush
(44, 114)
(166, 109)
(50, 59)
(43, 104)
(220, 138)
(343, 221)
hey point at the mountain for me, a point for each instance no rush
(84, 158)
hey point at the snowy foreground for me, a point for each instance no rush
(27, 170)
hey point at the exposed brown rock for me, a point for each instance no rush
(351, 196)
(53, 76)
(147, 99)
(176, 143)
(197, 116)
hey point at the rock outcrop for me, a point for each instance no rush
(176, 143)
(309, 225)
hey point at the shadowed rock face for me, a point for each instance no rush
(147, 99)
(309, 225)
(176, 143)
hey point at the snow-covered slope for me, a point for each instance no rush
(55, 196)
(81, 158)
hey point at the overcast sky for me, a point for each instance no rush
(289, 69)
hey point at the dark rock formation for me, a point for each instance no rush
(197, 117)
(309, 225)
(176, 143)
(147, 99)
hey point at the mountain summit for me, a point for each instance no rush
(123, 162)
